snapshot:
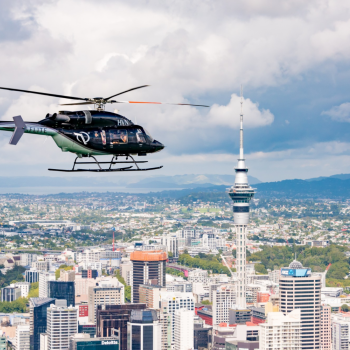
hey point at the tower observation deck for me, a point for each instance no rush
(241, 194)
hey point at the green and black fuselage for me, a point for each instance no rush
(92, 133)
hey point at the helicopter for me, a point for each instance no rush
(91, 133)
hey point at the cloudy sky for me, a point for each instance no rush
(292, 58)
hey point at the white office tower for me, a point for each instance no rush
(144, 330)
(62, 324)
(224, 298)
(23, 337)
(340, 335)
(281, 332)
(24, 287)
(241, 194)
(44, 278)
(173, 301)
(299, 289)
(183, 329)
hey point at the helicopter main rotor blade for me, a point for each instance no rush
(120, 93)
(45, 94)
(78, 103)
(160, 103)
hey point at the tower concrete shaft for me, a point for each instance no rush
(241, 194)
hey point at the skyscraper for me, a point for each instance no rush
(44, 278)
(144, 330)
(299, 289)
(183, 329)
(62, 290)
(148, 267)
(62, 324)
(38, 318)
(241, 194)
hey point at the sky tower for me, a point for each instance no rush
(241, 194)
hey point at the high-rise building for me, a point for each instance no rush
(165, 319)
(281, 332)
(144, 330)
(172, 301)
(172, 244)
(241, 194)
(224, 299)
(299, 289)
(340, 335)
(62, 290)
(62, 324)
(148, 267)
(112, 320)
(183, 329)
(32, 276)
(108, 292)
(150, 295)
(202, 335)
(326, 328)
(38, 319)
(22, 340)
(44, 278)
(10, 293)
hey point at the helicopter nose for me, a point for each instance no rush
(158, 146)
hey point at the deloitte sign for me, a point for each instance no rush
(97, 344)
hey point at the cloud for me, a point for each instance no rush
(228, 115)
(197, 51)
(339, 113)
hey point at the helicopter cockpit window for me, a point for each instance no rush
(140, 136)
(118, 136)
(149, 135)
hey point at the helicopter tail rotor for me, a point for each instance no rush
(19, 130)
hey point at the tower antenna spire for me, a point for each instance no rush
(241, 157)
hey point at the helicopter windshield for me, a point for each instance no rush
(149, 135)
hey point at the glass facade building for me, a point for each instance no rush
(88, 329)
(62, 290)
(38, 319)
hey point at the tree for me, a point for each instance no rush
(33, 290)
(127, 289)
(345, 308)
(62, 267)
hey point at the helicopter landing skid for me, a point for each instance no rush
(109, 169)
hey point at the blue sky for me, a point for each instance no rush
(291, 57)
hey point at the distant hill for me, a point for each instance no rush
(338, 176)
(188, 181)
(330, 187)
